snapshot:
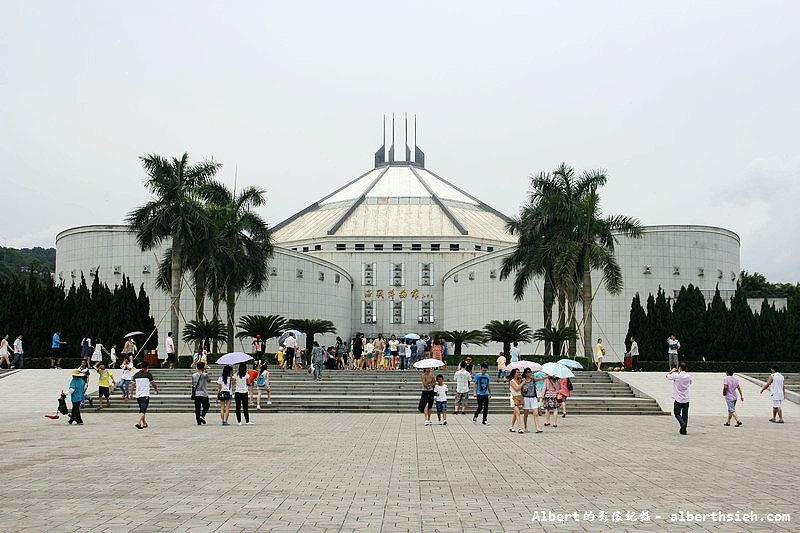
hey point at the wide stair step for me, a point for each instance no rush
(380, 392)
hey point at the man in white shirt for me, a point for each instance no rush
(169, 344)
(673, 345)
(634, 354)
(680, 393)
(290, 347)
(462, 378)
(777, 388)
(18, 354)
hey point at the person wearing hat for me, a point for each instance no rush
(258, 348)
(77, 391)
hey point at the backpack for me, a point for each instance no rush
(262, 380)
(569, 384)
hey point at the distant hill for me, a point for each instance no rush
(21, 261)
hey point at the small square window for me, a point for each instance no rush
(493, 274)
(435, 247)
(360, 247)
(299, 273)
(273, 271)
(145, 269)
(490, 248)
(294, 249)
(321, 276)
(478, 247)
(397, 247)
(472, 275)
(416, 247)
(455, 278)
(378, 247)
(341, 247)
(337, 278)
(317, 247)
(305, 248)
(454, 247)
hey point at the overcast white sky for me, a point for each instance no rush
(690, 106)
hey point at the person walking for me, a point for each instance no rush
(97, 354)
(601, 351)
(126, 378)
(240, 395)
(426, 399)
(530, 401)
(317, 359)
(169, 347)
(440, 395)
(420, 346)
(262, 384)
(200, 381)
(104, 387)
(77, 394)
(501, 367)
(566, 390)
(4, 352)
(129, 349)
(55, 350)
(224, 385)
(776, 383)
(358, 351)
(515, 388)
(86, 349)
(681, 380)
(634, 355)
(550, 397)
(142, 382)
(289, 349)
(462, 379)
(113, 355)
(514, 351)
(19, 354)
(483, 391)
(729, 387)
(394, 352)
(673, 345)
(258, 348)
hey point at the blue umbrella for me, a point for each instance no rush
(571, 363)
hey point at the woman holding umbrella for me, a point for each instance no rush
(224, 383)
(529, 398)
(515, 386)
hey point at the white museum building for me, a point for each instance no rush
(400, 249)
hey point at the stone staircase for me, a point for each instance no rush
(792, 381)
(381, 392)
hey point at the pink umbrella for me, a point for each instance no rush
(522, 365)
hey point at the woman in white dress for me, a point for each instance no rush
(4, 352)
(97, 355)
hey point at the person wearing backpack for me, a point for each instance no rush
(566, 389)
(262, 384)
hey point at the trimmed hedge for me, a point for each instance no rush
(742, 367)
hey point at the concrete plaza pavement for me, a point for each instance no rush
(367, 472)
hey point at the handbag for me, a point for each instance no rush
(194, 389)
(224, 395)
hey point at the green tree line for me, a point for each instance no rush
(714, 332)
(35, 309)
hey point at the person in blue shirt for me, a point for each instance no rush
(55, 355)
(77, 391)
(483, 391)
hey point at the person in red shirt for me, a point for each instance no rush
(252, 376)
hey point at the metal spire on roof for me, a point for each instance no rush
(391, 149)
(380, 155)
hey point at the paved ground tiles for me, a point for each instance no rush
(366, 472)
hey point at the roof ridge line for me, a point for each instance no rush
(352, 208)
(468, 195)
(460, 227)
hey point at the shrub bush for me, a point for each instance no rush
(743, 367)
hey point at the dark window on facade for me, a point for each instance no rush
(340, 247)
(453, 247)
(435, 247)
(490, 248)
(360, 247)
(477, 247)
(378, 247)
(317, 247)
(416, 247)
(305, 248)
(397, 247)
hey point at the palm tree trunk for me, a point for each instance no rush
(572, 302)
(215, 301)
(587, 313)
(457, 348)
(200, 292)
(507, 350)
(230, 310)
(175, 292)
(562, 308)
(547, 302)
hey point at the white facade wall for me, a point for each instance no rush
(84, 248)
(473, 303)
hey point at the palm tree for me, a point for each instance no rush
(461, 337)
(591, 247)
(244, 246)
(311, 327)
(508, 331)
(267, 326)
(175, 213)
(556, 336)
(209, 330)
